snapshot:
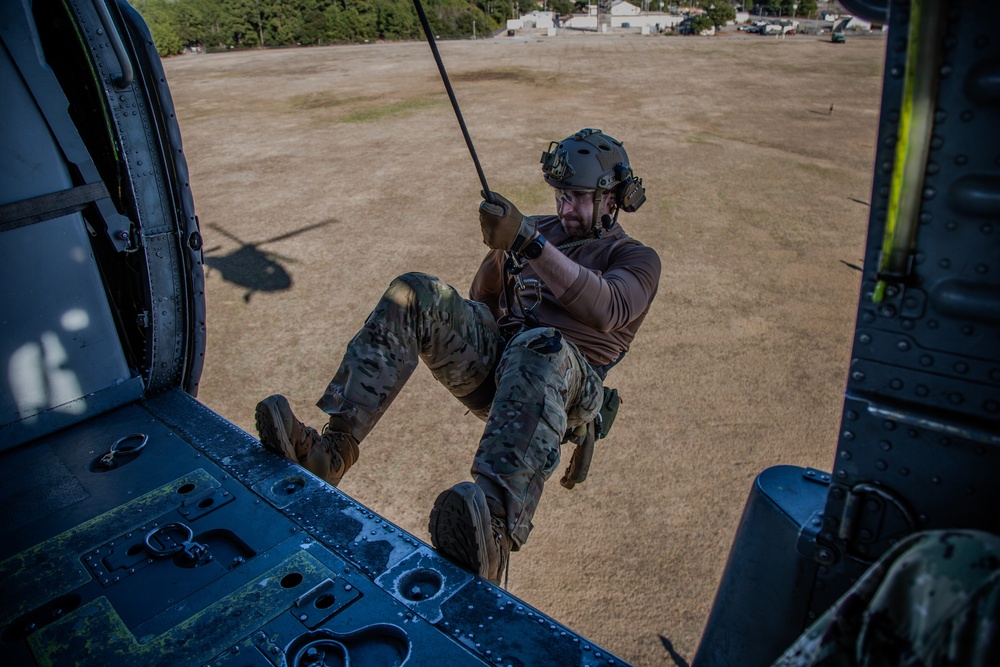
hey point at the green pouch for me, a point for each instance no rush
(608, 411)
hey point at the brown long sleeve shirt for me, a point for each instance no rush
(602, 310)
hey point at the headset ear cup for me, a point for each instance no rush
(630, 194)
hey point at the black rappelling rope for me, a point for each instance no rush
(487, 193)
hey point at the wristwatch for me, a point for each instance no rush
(534, 248)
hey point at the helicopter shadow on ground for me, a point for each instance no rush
(676, 657)
(252, 268)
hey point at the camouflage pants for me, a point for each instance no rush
(933, 599)
(543, 384)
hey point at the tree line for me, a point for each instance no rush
(215, 25)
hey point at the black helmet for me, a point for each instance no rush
(591, 160)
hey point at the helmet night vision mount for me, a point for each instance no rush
(591, 160)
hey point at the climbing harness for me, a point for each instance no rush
(524, 287)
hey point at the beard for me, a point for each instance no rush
(575, 226)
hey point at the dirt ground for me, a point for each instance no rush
(320, 174)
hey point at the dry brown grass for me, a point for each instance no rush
(741, 364)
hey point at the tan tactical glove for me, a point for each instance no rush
(504, 228)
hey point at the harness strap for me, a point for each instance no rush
(52, 205)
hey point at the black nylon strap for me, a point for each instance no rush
(53, 205)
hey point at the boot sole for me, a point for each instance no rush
(271, 428)
(460, 527)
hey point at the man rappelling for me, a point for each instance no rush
(554, 305)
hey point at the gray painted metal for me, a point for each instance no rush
(919, 443)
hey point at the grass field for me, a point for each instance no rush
(320, 174)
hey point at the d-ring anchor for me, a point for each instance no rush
(191, 549)
(123, 447)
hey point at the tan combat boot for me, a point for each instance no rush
(328, 456)
(463, 529)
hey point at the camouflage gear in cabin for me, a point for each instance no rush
(543, 384)
(933, 599)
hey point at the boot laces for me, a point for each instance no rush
(308, 438)
(343, 453)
